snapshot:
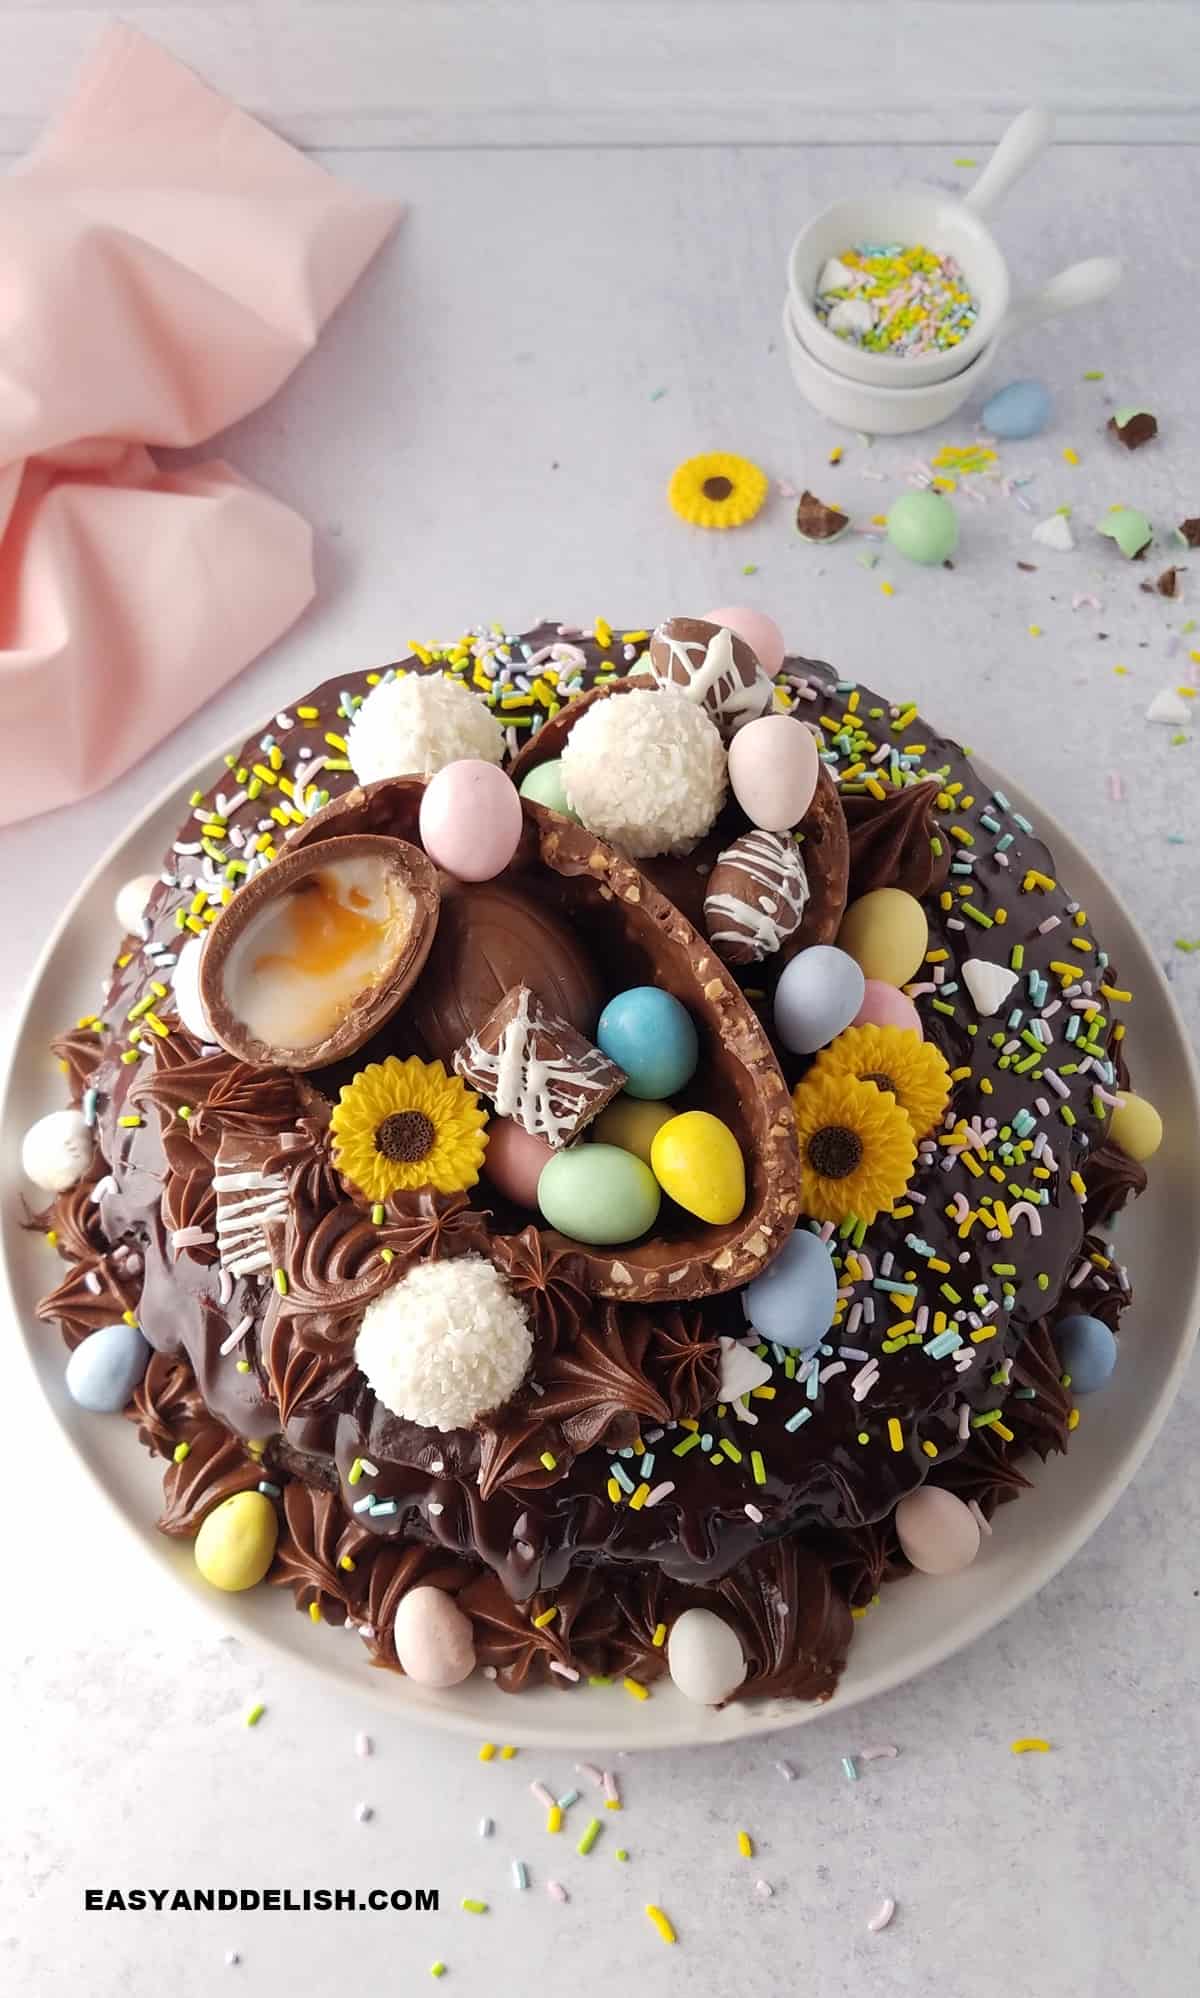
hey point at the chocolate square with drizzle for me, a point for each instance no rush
(537, 1069)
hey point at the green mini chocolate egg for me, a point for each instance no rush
(886, 933)
(236, 1544)
(923, 527)
(630, 1123)
(598, 1194)
(697, 1160)
(544, 785)
(1136, 1126)
(1128, 528)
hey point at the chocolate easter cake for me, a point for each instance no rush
(596, 1151)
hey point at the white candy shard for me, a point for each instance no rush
(988, 984)
(741, 1371)
(1055, 532)
(851, 315)
(1169, 708)
(836, 276)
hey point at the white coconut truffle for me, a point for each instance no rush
(414, 726)
(131, 902)
(57, 1150)
(646, 771)
(445, 1344)
(185, 983)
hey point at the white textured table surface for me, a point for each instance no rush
(486, 432)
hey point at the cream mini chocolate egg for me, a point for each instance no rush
(1136, 1126)
(938, 1533)
(236, 1542)
(886, 1006)
(886, 933)
(317, 951)
(106, 1367)
(630, 1123)
(760, 632)
(57, 1150)
(773, 771)
(131, 901)
(514, 1160)
(705, 1657)
(435, 1642)
(597, 1194)
(714, 666)
(697, 1160)
(819, 992)
(756, 896)
(471, 819)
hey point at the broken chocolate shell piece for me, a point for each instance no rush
(1189, 531)
(537, 1070)
(817, 522)
(713, 667)
(1133, 427)
(317, 951)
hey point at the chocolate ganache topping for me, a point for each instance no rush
(776, 1512)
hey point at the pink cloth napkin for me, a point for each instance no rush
(165, 262)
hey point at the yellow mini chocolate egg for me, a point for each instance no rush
(631, 1124)
(1136, 1126)
(886, 933)
(697, 1160)
(236, 1544)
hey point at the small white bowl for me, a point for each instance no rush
(910, 215)
(879, 409)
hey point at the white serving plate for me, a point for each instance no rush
(918, 1623)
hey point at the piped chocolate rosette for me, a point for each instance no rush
(598, 1151)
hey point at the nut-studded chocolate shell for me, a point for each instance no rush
(366, 1011)
(714, 667)
(756, 896)
(619, 918)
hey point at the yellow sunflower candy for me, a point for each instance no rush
(857, 1149)
(894, 1060)
(717, 489)
(406, 1124)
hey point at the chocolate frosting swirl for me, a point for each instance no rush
(215, 1467)
(795, 1629)
(891, 841)
(1113, 1179)
(314, 1538)
(166, 1402)
(597, 1390)
(507, 1634)
(548, 1282)
(79, 1308)
(687, 1360)
(80, 1051)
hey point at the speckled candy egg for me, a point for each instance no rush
(652, 1037)
(57, 1150)
(470, 819)
(236, 1543)
(885, 1006)
(434, 1640)
(819, 992)
(773, 771)
(1136, 1126)
(1087, 1349)
(630, 1122)
(1020, 410)
(704, 1657)
(886, 933)
(698, 1161)
(515, 1160)
(544, 784)
(938, 1533)
(597, 1194)
(105, 1368)
(792, 1303)
(923, 527)
(760, 632)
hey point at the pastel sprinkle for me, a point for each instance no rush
(882, 1916)
(745, 1845)
(1031, 1744)
(255, 1714)
(473, 1907)
(589, 1837)
(556, 1890)
(661, 1923)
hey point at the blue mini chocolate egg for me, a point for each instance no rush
(1020, 410)
(103, 1372)
(792, 1303)
(818, 994)
(1087, 1349)
(653, 1038)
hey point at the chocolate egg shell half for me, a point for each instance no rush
(317, 951)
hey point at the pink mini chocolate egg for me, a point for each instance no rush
(939, 1534)
(514, 1160)
(470, 819)
(760, 632)
(435, 1642)
(885, 1006)
(773, 771)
